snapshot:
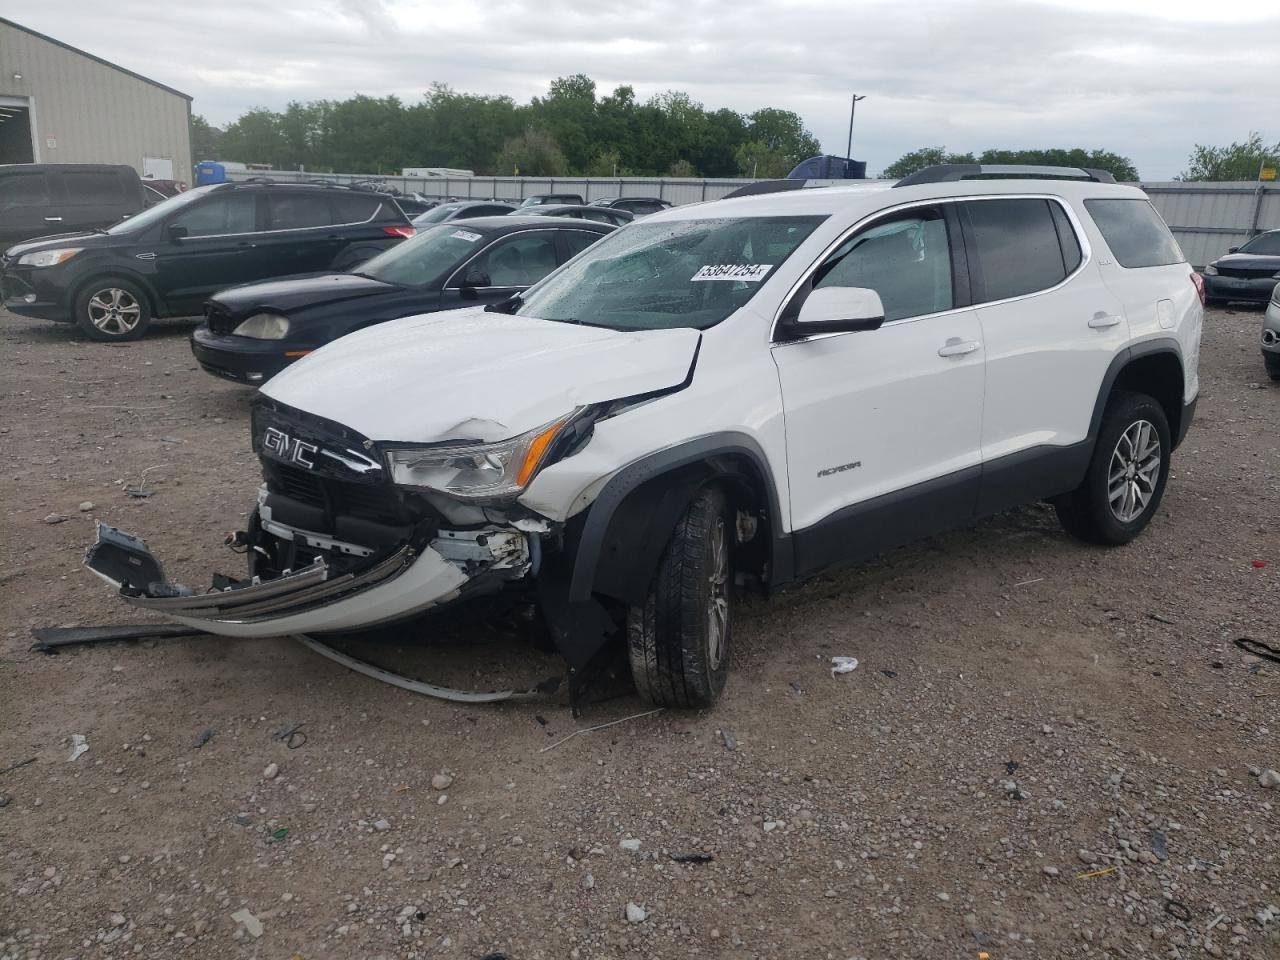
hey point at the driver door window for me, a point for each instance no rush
(906, 260)
(221, 216)
(518, 261)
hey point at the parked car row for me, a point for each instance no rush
(750, 391)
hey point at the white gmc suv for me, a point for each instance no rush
(746, 391)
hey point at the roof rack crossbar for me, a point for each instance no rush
(951, 172)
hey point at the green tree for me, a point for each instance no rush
(784, 132)
(205, 139)
(682, 168)
(1238, 161)
(917, 160)
(532, 154)
(254, 138)
(606, 163)
(1121, 168)
(756, 159)
(567, 114)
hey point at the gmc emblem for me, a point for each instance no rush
(287, 448)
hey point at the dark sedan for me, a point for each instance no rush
(463, 210)
(615, 218)
(1249, 272)
(636, 206)
(253, 332)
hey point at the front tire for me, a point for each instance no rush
(679, 641)
(1127, 475)
(112, 309)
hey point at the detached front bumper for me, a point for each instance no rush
(391, 585)
(1254, 290)
(243, 359)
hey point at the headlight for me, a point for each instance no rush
(479, 472)
(264, 326)
(1211, 271)
(48, 258)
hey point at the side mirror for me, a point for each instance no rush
(177, 231)
(838, 310)
(475, 277)
(1233, 249)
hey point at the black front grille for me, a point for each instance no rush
(336, 498)
(1249, 273)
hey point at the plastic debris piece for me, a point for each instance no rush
(1158, 845)
(843, 665)
(1257, 564)
(730, 741)
(252, 925)
(79, 746)
(1088, 874)
(281, 833)
(202, 738)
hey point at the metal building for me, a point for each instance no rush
(62, 105)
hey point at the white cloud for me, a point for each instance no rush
(1145, 78)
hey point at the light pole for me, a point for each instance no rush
(848, 150)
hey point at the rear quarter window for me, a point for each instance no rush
(1016, 246)
(355, 209)
(1135, 233)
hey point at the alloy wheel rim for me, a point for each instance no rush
(718, 601)
(114, 311)
(1134, 471)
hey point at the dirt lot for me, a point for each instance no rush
(1028, 713)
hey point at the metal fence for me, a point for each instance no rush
(1207, 218)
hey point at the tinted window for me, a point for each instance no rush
(24, 190)
(493, 211)
(639, 207)
(514, 262)
(661, 276)
(434, 252)
(355, 209)
(92, 187)
(1135, 233)
(578, 240)
(1266, 245)
(906, 260)
(1067, 239)
(1015, 246)
(222, 215)
(293, 211)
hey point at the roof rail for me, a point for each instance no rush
(950, 172)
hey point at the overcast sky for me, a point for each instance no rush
(1145, 78)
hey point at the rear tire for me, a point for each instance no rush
(679, 642)
(112, 309)
(1273, 366)
(1126, 477)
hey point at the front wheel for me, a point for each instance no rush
(1127, 474)
(112, 309)
(679, 640)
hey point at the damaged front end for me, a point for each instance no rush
(333, 543)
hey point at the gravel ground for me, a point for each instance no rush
(1048, 750)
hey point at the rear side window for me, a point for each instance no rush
(578, 240)
(295, 211)
(355, 209)
(1067, 239)
(86, 187)
(1016, 247)
(1135, 233)
(22, 189)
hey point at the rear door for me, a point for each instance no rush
(301, 235)
(208, 246)
(1051, 328)
(29, 205)
(95, 198)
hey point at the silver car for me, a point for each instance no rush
(1271, 335)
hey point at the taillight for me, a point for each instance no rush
(407, 231)
(1198, 282)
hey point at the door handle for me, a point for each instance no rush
(1102, 320)
(53, 219)
(955, 347)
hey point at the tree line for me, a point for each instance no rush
(570, 131)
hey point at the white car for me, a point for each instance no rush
(746, 391)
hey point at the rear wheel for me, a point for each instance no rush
(679, 640)
(112, 309)
(1126, 477)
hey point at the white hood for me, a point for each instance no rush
(468, 374)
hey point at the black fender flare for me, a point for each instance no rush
(1127, 355)
(621, 566)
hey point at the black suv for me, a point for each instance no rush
(37, 199)
(164, 261)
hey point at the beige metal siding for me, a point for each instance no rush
(92, 112)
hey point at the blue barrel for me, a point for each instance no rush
(209, 171)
